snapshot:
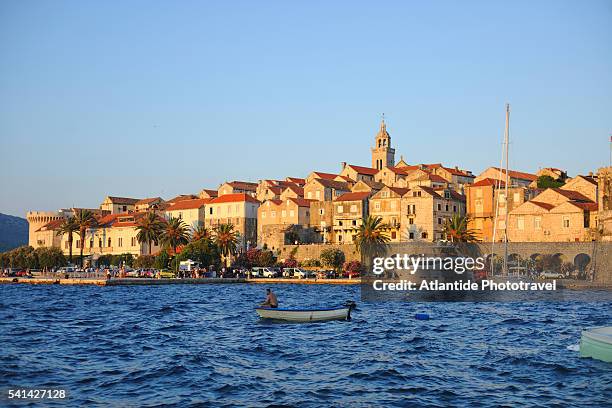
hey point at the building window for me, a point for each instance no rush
(309, 195)
(354, 222)
(411, 235)
(99, 242)
(78, 243)
(318, 194)
(91, 243)
(291, 213)
(537, 223)
(393, 235)
(446, 207)
(109, 242)
(439, 221)
(120, 242)
(321, 211)
(353, 208)
(125, 208)
(439, 207)
(180, 217)
(210, 210)
(520, 223)
(377, 206)
(410, 220)
(424, 235)
(566, 222)
(340, 209)
(454, 208)
(283, 214)
(66, 245)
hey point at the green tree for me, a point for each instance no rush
(371, 240)
(50, 257)
(161, 260)
(548, 182)
(150, 228)
(144, 261)
(456, 229)
(226, 240)
(200, 233)
(85, 220)
(175, 234)
(203, 251)
(68, 227)
(333, 258)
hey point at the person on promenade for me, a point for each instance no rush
(271, 299)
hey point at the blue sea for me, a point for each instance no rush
(203, 345)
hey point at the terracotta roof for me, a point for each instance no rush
(518, 174)
(147, 200)
(363, 170)
(273, 201)
(437, 179)
(487, 182)
(296, 180)
(243, 185)
(399, 190)
(591, 206)
(212, 193)
(325, 176)
(373, 184)
(233, 198)
(398, 170)
(431, 191)
(545, 206)
(590, 179)
(572, 195)
(123, 200)
(353, 196)
(454, 195)
(346, 178)
(182, 197)
(189, 204)
(338, 185)
(276, 189)
(297, 190)
(52, 225)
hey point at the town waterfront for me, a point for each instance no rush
(203, 344)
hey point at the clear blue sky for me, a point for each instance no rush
(147, 98)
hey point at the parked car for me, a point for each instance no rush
(296, 273)
(133, 274)
(551, 275)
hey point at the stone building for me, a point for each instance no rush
(483, 197)
(517, 178)
(555, 215)
(239, 209)
(604, 193)
(192, 212)
(383, 155)
(387, 204)
(276, 217)
(237, 187)
(146, 204)
(426, 212)
(117, 205)
(357, 173)
(349, 211)
(325, 189)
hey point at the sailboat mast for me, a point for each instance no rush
(507, 182)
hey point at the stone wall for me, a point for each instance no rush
(599, 253)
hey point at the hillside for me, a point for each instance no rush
(13, 232)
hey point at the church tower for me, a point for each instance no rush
(383, 155)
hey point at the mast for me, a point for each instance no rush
(506, 147)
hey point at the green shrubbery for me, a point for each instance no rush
(29, 258)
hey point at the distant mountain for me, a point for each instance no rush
(13, 232)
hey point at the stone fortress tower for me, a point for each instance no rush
(38, 219)
(383, 154)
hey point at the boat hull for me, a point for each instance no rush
(597, 343)
(304, 315)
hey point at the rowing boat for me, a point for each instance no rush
(596, 342)
(307, 315)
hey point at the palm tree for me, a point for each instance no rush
(456, 229)
(227, 240)
(175, 233)
(149, 229)
(200, 233)
(371, 239)
(85, 220)
(68, 226)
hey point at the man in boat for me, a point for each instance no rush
(271, 299)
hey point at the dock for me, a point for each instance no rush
(185, 281)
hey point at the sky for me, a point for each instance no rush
(159, 98)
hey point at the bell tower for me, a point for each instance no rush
(383, 155)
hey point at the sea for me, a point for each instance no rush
(204, 345)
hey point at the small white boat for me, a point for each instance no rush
(307, 315)
(596, 342)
